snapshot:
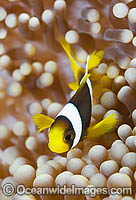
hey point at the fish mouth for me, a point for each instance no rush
(55, 149)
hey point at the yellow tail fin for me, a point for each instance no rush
(42, 121)
(75, 67)
(103, 127)
(95, 59)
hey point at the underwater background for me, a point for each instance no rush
(34, 76)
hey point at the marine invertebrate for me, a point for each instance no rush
(34, 78)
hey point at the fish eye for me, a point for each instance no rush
(69, 136)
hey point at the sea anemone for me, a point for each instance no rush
(34, 77)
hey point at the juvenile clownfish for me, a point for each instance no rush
(72, 124)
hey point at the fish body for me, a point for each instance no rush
(72, 124)
(78, 112)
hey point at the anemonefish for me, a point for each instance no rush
(72, 124)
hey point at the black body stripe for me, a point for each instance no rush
(82, 100)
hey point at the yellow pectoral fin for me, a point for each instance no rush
(74, 86)
(103, 127)
(42, 121)
(75, 67)
(95, 59)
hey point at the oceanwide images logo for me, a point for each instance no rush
(9, 189)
